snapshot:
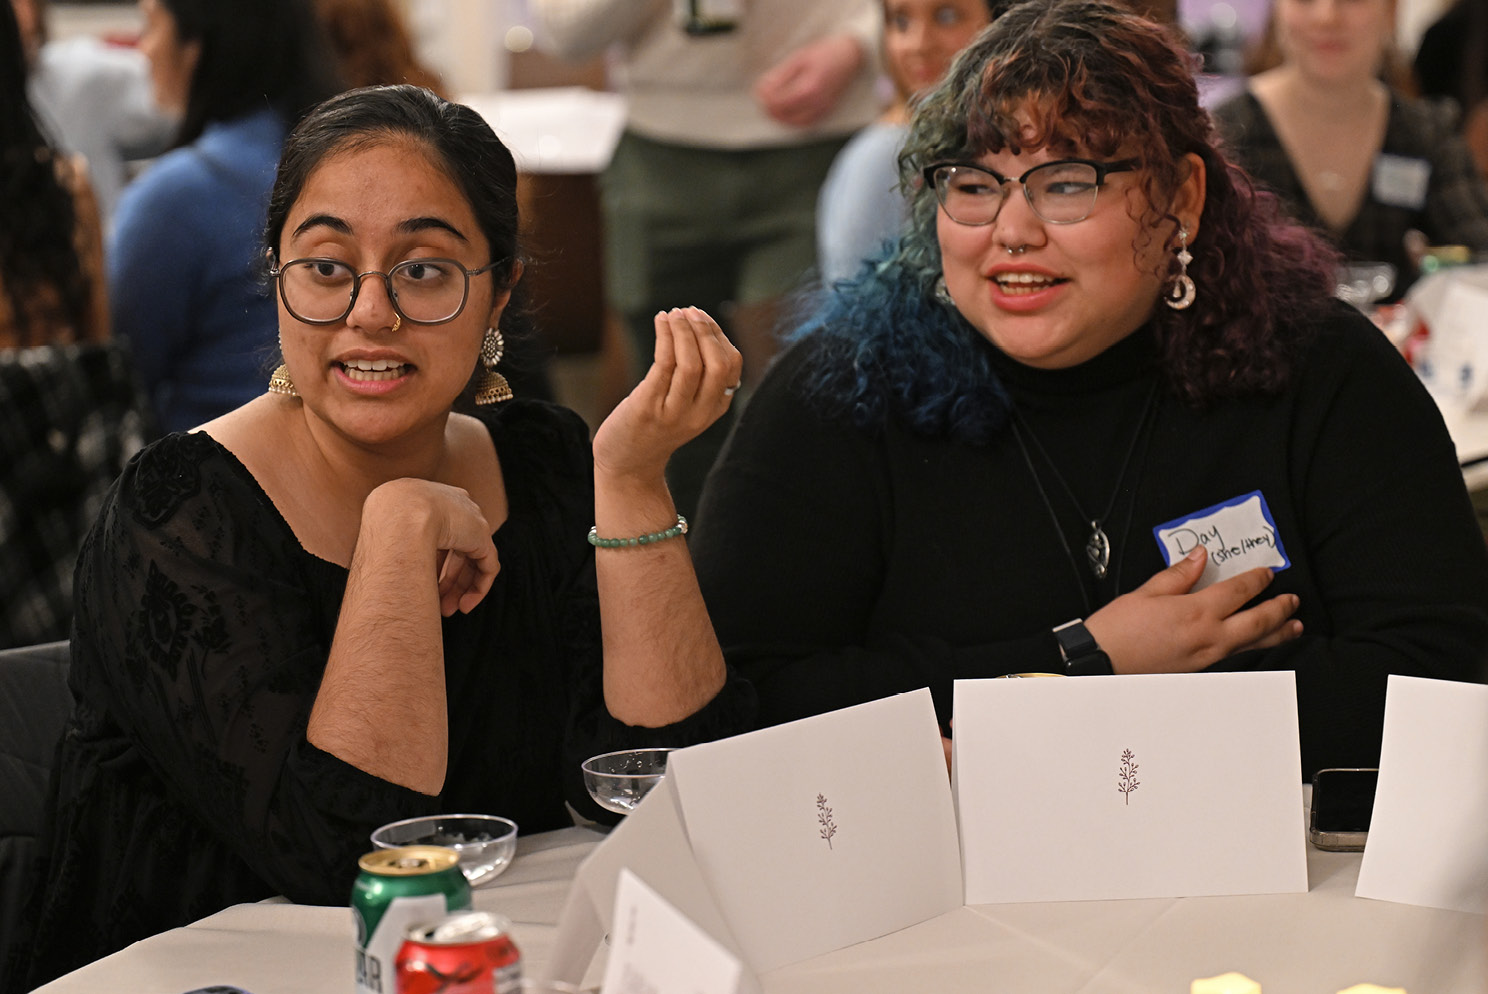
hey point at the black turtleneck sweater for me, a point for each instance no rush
(843, 565)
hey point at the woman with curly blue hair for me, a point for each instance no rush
(1096, 412)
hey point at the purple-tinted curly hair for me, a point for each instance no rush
(1096, 78)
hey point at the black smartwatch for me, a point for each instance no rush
(1083, 656)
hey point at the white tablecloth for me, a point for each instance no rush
(279, 948)
(1314, 943)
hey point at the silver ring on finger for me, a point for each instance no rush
(730, 391)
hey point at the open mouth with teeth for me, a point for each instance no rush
(1016, 283)
(369, 370)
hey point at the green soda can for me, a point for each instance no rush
(398, 888)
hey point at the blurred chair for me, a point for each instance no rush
(71, 416)
(34, 704)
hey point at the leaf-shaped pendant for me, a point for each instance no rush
(1098, 551)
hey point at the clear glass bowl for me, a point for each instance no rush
(618, 780)
(1363, 283)
(486, 843)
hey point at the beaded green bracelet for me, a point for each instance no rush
(680, 528)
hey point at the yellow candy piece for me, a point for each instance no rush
(1225, 983)
(1372, 989)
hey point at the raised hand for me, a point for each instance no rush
(690, 384)
(1165, 627)
(803, 87)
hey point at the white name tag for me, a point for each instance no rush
(1239, 534)
(1401, 181)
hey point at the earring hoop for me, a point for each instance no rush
(1181, 294)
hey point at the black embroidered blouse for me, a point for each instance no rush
(185, 782)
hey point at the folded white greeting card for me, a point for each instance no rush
(1163, 785)
(655, 949)
(825, 831)
(1428, 837)
(652, 843)
(787, 842)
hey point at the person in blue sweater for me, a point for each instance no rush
(183, 260)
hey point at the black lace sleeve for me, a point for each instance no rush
(203, 629)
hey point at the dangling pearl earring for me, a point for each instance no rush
(1180, 296)
(491, 387)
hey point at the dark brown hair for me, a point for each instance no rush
(38, 254)
(1098, 78)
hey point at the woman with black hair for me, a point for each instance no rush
(51, 278)
(344, 603)
(185, 277)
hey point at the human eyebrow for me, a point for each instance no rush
(416, 224)
(323, 220)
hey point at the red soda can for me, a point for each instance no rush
(468, 952)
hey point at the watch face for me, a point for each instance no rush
(1075, 639)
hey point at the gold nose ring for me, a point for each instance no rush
(397, 320)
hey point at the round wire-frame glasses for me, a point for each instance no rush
(425, 287)
(1059, 192)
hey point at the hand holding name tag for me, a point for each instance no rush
(1166, 626)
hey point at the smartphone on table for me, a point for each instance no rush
(1342, 803)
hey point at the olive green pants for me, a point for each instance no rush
(730, 231)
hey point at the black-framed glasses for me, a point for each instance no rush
(1060, 192)
(422, 291)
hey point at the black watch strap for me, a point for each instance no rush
(1083, 656)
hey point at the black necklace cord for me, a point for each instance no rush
(1155, 406)
(1053, 518)
(1020, 427)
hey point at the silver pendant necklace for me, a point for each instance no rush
(1098, 544)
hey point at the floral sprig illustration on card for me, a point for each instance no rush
(824, 819)
(1126, 780)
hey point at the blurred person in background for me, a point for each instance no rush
(95, 99)
(861, 205)
(1321, 124)
(184, 271)
(1452, 61)
(51, 246)
(70, 407)
(734, 118)
(372, 45)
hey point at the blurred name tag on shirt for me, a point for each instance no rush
(1239, 534)
(1401, 181)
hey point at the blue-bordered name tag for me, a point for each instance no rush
(1239, 533)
